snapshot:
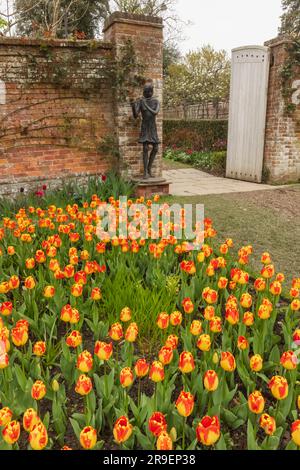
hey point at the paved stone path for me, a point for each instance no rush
(192, 182)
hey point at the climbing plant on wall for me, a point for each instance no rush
(287, 73)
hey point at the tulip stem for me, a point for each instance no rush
(117, 355)
(183, 433)
(126, 401)
(139, 392)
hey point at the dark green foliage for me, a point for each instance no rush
(196, 135)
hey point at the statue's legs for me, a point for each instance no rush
(152, 158)
(145, 159)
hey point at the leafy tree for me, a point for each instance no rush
(57, 18)
(202, 75)
(290, 20)
(171, 55)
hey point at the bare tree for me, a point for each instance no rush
(57, 18)
(8, 13)
(163, 8)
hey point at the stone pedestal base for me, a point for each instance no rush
(150, 186)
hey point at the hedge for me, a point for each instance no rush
(196, 135)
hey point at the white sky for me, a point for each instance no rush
(226, 24)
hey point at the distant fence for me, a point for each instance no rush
(200, 111)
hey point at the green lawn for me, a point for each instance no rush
(268, 220)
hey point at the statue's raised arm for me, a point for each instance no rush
(136, 108)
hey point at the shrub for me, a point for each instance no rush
(196, 135)
(207, 161)
(110, 184)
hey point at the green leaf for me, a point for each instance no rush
(275, 355)
(221, 444)
(291, 446)
(75, 427)
(143, 440)
(46, 420)
(251, 441)
(193, 445)
(285, 406)
(21, 378)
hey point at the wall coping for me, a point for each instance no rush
(130, 18)
(64, 43)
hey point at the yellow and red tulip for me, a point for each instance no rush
(186, 362)
(39, 348)
(30, 419)
(208, 430)
(204, 343)
(38, 390)
(165, 355)
(157, 423)
(11, 432)
(279, 387)
(103, 350)
(126, 377)
(5, 416)
(74, 339)
(88, 437)
(172, 341)
(141, 368)
(83, 385)
(116, 331)
(164, 442)
(268, 424)
(210, 380)
(295, 431)
(125, 314)
(256, 402)
(228, 361)
(187, 305)
(163, 320)
(156, 372)
(185, 403)
(84, 361)
(131, 332)
(289, 360)
(6, 309)
(256, 363)
(38, 437)
(122, 430)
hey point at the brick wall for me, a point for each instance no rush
(146, 34)
(60, 101)
(282, 142)
(58, 108)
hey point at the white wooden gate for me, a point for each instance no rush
(247, 113)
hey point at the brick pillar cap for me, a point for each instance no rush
(122, 17)
(283, 39)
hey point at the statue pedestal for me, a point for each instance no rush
(150, 186)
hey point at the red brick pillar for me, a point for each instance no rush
(282, 140)
(146, 34)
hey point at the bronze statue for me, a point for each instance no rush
(149, 107)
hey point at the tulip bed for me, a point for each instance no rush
(136, 344)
